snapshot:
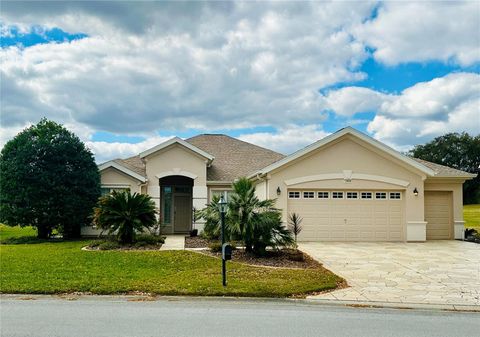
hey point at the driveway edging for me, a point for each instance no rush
(396, 305)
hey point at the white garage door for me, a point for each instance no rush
(349, 215)
(438, 215)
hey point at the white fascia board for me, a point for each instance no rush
(333, 137)
(123, 169)
(178, 141)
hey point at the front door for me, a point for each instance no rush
(182, 212)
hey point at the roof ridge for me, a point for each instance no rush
(238, 140)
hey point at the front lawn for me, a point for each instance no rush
(471, 215)
(62, 267)
(10, 233)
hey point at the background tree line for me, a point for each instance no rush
(457, 150)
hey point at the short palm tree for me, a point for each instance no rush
(295, 221)
(125, 214)
(256, 221)
(211, 215)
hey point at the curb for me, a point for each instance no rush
(397, 305)
(284, 301)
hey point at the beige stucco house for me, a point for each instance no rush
(346, 187)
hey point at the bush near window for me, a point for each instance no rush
(49, 180)
(124, 214)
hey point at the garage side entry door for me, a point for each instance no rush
(349, 215)
(438, 215)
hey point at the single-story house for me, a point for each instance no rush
(346, 187)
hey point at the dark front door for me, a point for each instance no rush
(182, 212)
(176, 202)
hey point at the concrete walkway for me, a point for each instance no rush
(174, 242)
(434, 272)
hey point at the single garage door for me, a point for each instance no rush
(438, 215)
(349, 215)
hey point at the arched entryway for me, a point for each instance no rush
(176, 202)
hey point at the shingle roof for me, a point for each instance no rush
(444, 171)
(233, 158)
(134, 163)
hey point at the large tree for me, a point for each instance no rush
(49, 180)
(460, 151)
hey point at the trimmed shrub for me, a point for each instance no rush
(109, 245)
(215, 247)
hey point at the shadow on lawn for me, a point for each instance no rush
(30, 240)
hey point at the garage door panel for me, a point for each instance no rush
(438, 215)
(381, 236)
(350, 219)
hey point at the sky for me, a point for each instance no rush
(126, 76)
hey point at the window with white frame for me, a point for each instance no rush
(337, 195)
(308, 195)
(366, 195)
(219, 192)
(105, 190)
(322, 195)
(395, 195)
(293, 194)
(381, 195)
(352, 195)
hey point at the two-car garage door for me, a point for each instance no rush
(349, 215)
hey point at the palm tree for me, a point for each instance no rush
(256, 221)
(125, 214)
(211, 215)
(294, 221)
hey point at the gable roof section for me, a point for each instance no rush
(442, 171)
(134, 163)
(234, 158)
(351, 131)
(122, 168)
(181, 142)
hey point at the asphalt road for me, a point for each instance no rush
(118, 317)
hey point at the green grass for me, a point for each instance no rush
(471, 215)
(7, 232)
(62, 267)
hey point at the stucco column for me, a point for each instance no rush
(199, 201)
(458, 223)
(153, 190)
(415, 213)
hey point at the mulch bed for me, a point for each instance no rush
(96, 248)
(284, 258)
(197, 242)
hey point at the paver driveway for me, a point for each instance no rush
(434, 272)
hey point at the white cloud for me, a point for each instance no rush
(423, 31)
(287, 139)
(435, 98)
(429, 109)
(150, 67)
(226, 67)
(351, 100)
(105, 151)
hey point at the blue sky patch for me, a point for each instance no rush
(395, 79)
(36, 35)
(104, 136)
